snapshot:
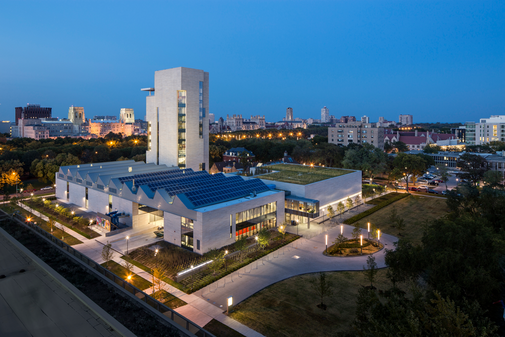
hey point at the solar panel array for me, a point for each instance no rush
(201, 188)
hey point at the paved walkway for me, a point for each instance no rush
(299, 257)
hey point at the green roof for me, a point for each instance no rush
(300, 174)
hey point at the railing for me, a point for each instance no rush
(110, 277)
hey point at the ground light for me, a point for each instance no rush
(342, 229)
(229, 304)
(326, 240)
(379, 235)
(361, 243)
(369, 230)
(225, 265)
(129, 278)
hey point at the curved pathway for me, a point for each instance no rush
(299, 257)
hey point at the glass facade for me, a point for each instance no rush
(181, 102)
(186, 232)
(250, 222)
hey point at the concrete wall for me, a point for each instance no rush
(61, 187)
(172, 228)
(121, 205)
(138, 219)
(77, 194)
(216, 223)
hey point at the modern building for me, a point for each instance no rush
(5, 126)
(406, 120)
(127, 116)
(357, 133)
(58, 128)
(178, 119)
(487, 130)
(325, 115)
(289, 114)
(32, 111)
(365, 119)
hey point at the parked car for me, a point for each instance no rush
(422, 188)
(438, 181)
(400, 187)
(413, 189)
(29, 191)
(159, 234)
(432, 183)
(432, 191)
(46, 188)
(424, 181)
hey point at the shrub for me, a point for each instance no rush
(372, 210)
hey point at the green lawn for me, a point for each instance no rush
(121, 271)
(64, 236)
(289, 308)
(382, 198)
(415, 210)
(302, 175)
(168, 299)
(221, 330)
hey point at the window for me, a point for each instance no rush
(197, 244)
(181, 101)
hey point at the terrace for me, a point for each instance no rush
(302, 175)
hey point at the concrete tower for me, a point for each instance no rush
(325, 115)
(76, 115)
(127, 116)
(177, 113)
(289, 114)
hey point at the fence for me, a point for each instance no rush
(183, 324)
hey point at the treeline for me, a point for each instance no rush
(42, 158)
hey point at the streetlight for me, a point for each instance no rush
(225, 265)
(379, 235)
(341, 229)
(127, 238)
(361, 243)
(129, 278)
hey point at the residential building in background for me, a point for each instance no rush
(178, 122)
(289, 114)
(490, 130)
(347, 119)
(470, 133)
(127, 116)
(236, 153)
(365, 119)
(406, 120)
(358, 133)
(418, 140)
(325, 115)
(32, 111)
(212, 118)
(5, 126)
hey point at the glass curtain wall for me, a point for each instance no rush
(181, 102)
(186, 232)
(250, 222)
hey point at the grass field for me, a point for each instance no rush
(67, 238)
(121, 271)
(415, 210)
(288, 308)
(382, 198)
(302, 175)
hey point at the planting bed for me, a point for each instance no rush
(353, 248)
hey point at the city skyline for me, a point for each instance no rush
(436, 61)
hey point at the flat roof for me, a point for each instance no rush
(302, 174)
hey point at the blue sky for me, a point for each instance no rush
(438, 60)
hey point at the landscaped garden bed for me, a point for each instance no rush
(168, 299)
(122, 272)
(172, 259)
(62, 215)
(353, 247)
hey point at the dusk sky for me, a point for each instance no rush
(437, 60)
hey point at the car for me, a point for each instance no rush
(400, 187)
(424, 181)
(159, 234)
(438, 181)
(422, 188)
(432, 191)
(432, 183)
(46, 188)
(413, 189)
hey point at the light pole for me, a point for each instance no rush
(379, 236)
(127, 238)
(341, 229)
(326, 240)
(225, 265)
(361, 243)
(368, 231)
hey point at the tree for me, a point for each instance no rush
(413, 165)
(340, 209)
(432, 149)
(282, 230)
(323, 288)
(349, 203)
(356, 232)
(393, 216)
(368, 158)
(357, 200)
(395, 175)
(128, 266)
(338, 241)
(331, 212)
(371, 270)
(263, 238)
(444, 174)
(51, 223)
(107, 254)
(400, 146)
(493, 178)
(157, 281)
(400, 224)
(11, 178)
(473, 167)
(241, 245)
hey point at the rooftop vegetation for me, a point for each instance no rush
(302, 175)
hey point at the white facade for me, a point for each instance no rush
(365, 119)
(127, 116)
(177, 114)
(325, 115)
(76, 115)
(406, 119)
(489, 130)
(289, 114)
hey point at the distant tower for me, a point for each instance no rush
(325, 115)
(365, 119)
(212, 118)
(127, 116)
(406, 119)
(177, 113)
(76, 115)
(289, 114)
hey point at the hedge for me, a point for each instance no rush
(372, 210)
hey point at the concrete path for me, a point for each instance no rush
(299, 257)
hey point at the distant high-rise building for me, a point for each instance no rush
(178, 118)
(76, 115)
(32, 111)
(325, 115)
(289, 114)
(365, 119)
(357, 133)
(127, 116)
(406, 120)
(212, 118)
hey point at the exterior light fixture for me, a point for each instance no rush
(326, 240)
(229, 303)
